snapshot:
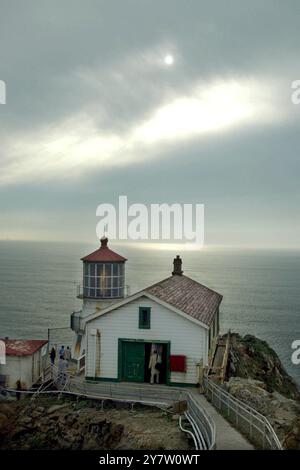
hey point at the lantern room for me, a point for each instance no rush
(103, 274)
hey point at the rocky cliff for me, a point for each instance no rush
(256, 376)
(49, 423)
(253, 358)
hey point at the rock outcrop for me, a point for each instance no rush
(257, 377)
(253, 358)
(48, 423)
(283, 413)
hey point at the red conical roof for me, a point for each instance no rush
(104, 254)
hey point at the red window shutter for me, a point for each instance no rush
(178, 363)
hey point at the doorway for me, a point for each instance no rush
(134, 356)
(161, 349)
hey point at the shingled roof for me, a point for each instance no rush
(180, 292)
(189, 296)
(104, 254)
(23, 347)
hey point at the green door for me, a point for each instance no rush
(133, 361)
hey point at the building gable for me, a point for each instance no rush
(139, 295)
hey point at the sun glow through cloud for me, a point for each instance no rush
(169, 59)
(210, 109)
(79, 144)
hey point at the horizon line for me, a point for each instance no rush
(158, 245)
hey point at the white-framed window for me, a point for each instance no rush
(103, 280)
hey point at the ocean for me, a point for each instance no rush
(260, 287)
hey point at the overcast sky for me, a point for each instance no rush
(93, 112)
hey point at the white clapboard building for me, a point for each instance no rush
(178, 318)
(23, 360)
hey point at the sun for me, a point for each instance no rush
(169, 59)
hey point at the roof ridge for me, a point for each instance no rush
(181, 276)
(192, 297)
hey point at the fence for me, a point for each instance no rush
(203, 425)
(80, 367)
(151, 396)
(105, 293)
(245, 418)
(203, 421)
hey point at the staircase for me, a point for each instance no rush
(218, 365)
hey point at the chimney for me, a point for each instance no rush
(177, 266)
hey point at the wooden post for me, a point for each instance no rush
(201, 376)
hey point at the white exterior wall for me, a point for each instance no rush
(27, 369)
(186, 338)
(38, 365)
(17, 368)
(91, 305)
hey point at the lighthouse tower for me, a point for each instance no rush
(103, 278)
(103, 284)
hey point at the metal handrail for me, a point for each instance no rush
(188, 432)
(43, 382)
(245, 412)
(202, 423)
(203, 420)
(81, 363)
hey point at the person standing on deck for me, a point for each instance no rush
(52, 356)
(68, 355)
(62, 371)
(62, 352)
